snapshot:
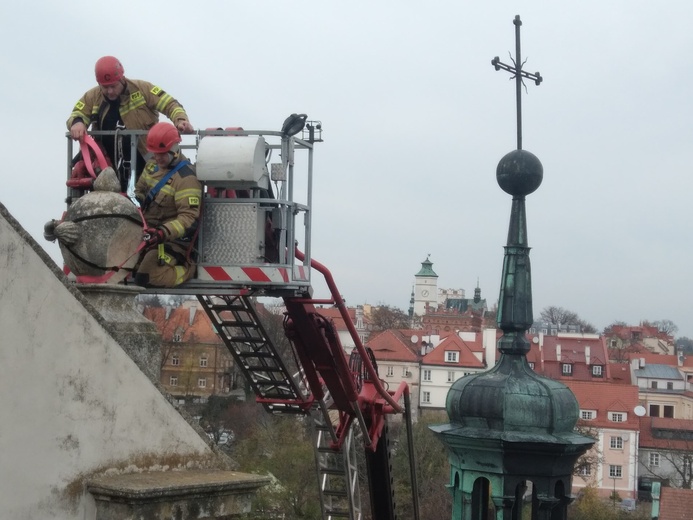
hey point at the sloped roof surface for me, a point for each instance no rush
(659, 372)
(607, 397)
(170, 321)
(389, 345)
(466, 349)
(675, 504)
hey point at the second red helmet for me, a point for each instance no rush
(109, 70)
(162, 137)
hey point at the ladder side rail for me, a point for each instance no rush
(288, 394)
(339, 303)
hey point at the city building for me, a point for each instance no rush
(195, 362)
(666, 451)
(608, 414)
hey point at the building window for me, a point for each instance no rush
(653, 385)
(173, 381)
(669, 412)
(202, 382)
(451, 357)
(405, 371)
(176, 337)
(613, 343)
(543, 331)
(587, 415)
(616, 443)
(654, 460)
(390, 371)
(426, 397)
(584, 470)
(531, 365)
(670, 385)
(597, 371)
(615, 471)
(654, 410)
(567, 369)
(616, 416)
(426, 375)
(203, 361)
(532, 330)
(451, 377)
(175, 361)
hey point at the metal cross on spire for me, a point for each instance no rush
(516, 69)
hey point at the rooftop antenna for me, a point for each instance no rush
(518, 74)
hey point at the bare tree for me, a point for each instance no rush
(385, 317)
(666, 326)
(563, 317)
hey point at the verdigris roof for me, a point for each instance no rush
(426, 269)
(659, 372)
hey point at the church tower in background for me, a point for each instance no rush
(425, 288)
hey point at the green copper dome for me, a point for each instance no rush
(426, 269)
(512, 398)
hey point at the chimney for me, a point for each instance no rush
(587, 355)
(558, 352)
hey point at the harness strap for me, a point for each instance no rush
(151, 195)
(87, 146)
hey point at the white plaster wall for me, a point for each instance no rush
(72, 403)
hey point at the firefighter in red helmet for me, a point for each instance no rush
(120, 102)
(170, 195)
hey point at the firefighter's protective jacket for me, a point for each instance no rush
(140, 104)
(176, 207)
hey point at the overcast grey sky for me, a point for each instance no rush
(415, 121)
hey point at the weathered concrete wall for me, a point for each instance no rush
(73, 405)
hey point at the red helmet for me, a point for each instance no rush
(162, 138)
(109, 71)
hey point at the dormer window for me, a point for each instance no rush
(587, 415)
(176, 337)
(617, 416)
(567, 369)
(451, 356)
(531, 365)
(597, 370)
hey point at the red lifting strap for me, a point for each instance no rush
(87, 146)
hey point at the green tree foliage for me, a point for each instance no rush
(589, 506)
(280, 446)
(432, 470)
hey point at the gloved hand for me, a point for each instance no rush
(153, 236)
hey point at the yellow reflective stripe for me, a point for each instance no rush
(180, 274)
(190, 192)
(163, 101)
(178, 229)
(84, 117)
(168, 190)
(176, 113)
(133, 103)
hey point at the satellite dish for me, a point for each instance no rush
(640, 411)
(414, 338)
(535, 340)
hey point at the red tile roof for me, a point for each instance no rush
(334, 314)
(391, 345)
(170, 321)
(648, 439)
(607, 397)
(466, 349)
(675, 504)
